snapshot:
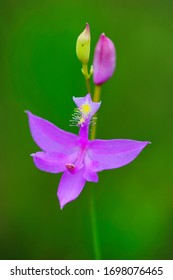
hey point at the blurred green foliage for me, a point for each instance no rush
(39, 71)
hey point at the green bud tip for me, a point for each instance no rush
(83, 45)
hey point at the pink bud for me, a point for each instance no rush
(104, 60)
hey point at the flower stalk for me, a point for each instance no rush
(96, 98)
(97, 253)
(86, 76)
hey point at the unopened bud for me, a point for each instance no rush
(83, 45)
(104, 60)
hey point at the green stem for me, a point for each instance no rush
(97, 255)
(87, 77)
(88, 85)
(96, 98)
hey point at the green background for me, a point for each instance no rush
(39, 71)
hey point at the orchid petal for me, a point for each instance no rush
(80, 101)
(70, 187)
(49, 137)
(114, 153)
(52, 162)
(91, 176)
(90, 170)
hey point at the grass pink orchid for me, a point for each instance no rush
(78, 157)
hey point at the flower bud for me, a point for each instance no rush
(83, 45)
(104, 60)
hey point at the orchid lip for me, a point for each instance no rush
(74, 167)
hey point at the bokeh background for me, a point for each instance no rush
(39, 71)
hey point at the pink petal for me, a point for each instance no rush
(79, 101)
(70, 187)
(114, 153)
(52, 162)
(104, 60)
(49, 137)
(90, 170)
(91, 176)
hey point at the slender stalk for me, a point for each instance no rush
(87, 77)
(97, 255)
(88, 85)
(96, 98)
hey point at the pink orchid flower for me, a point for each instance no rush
(79, 158)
